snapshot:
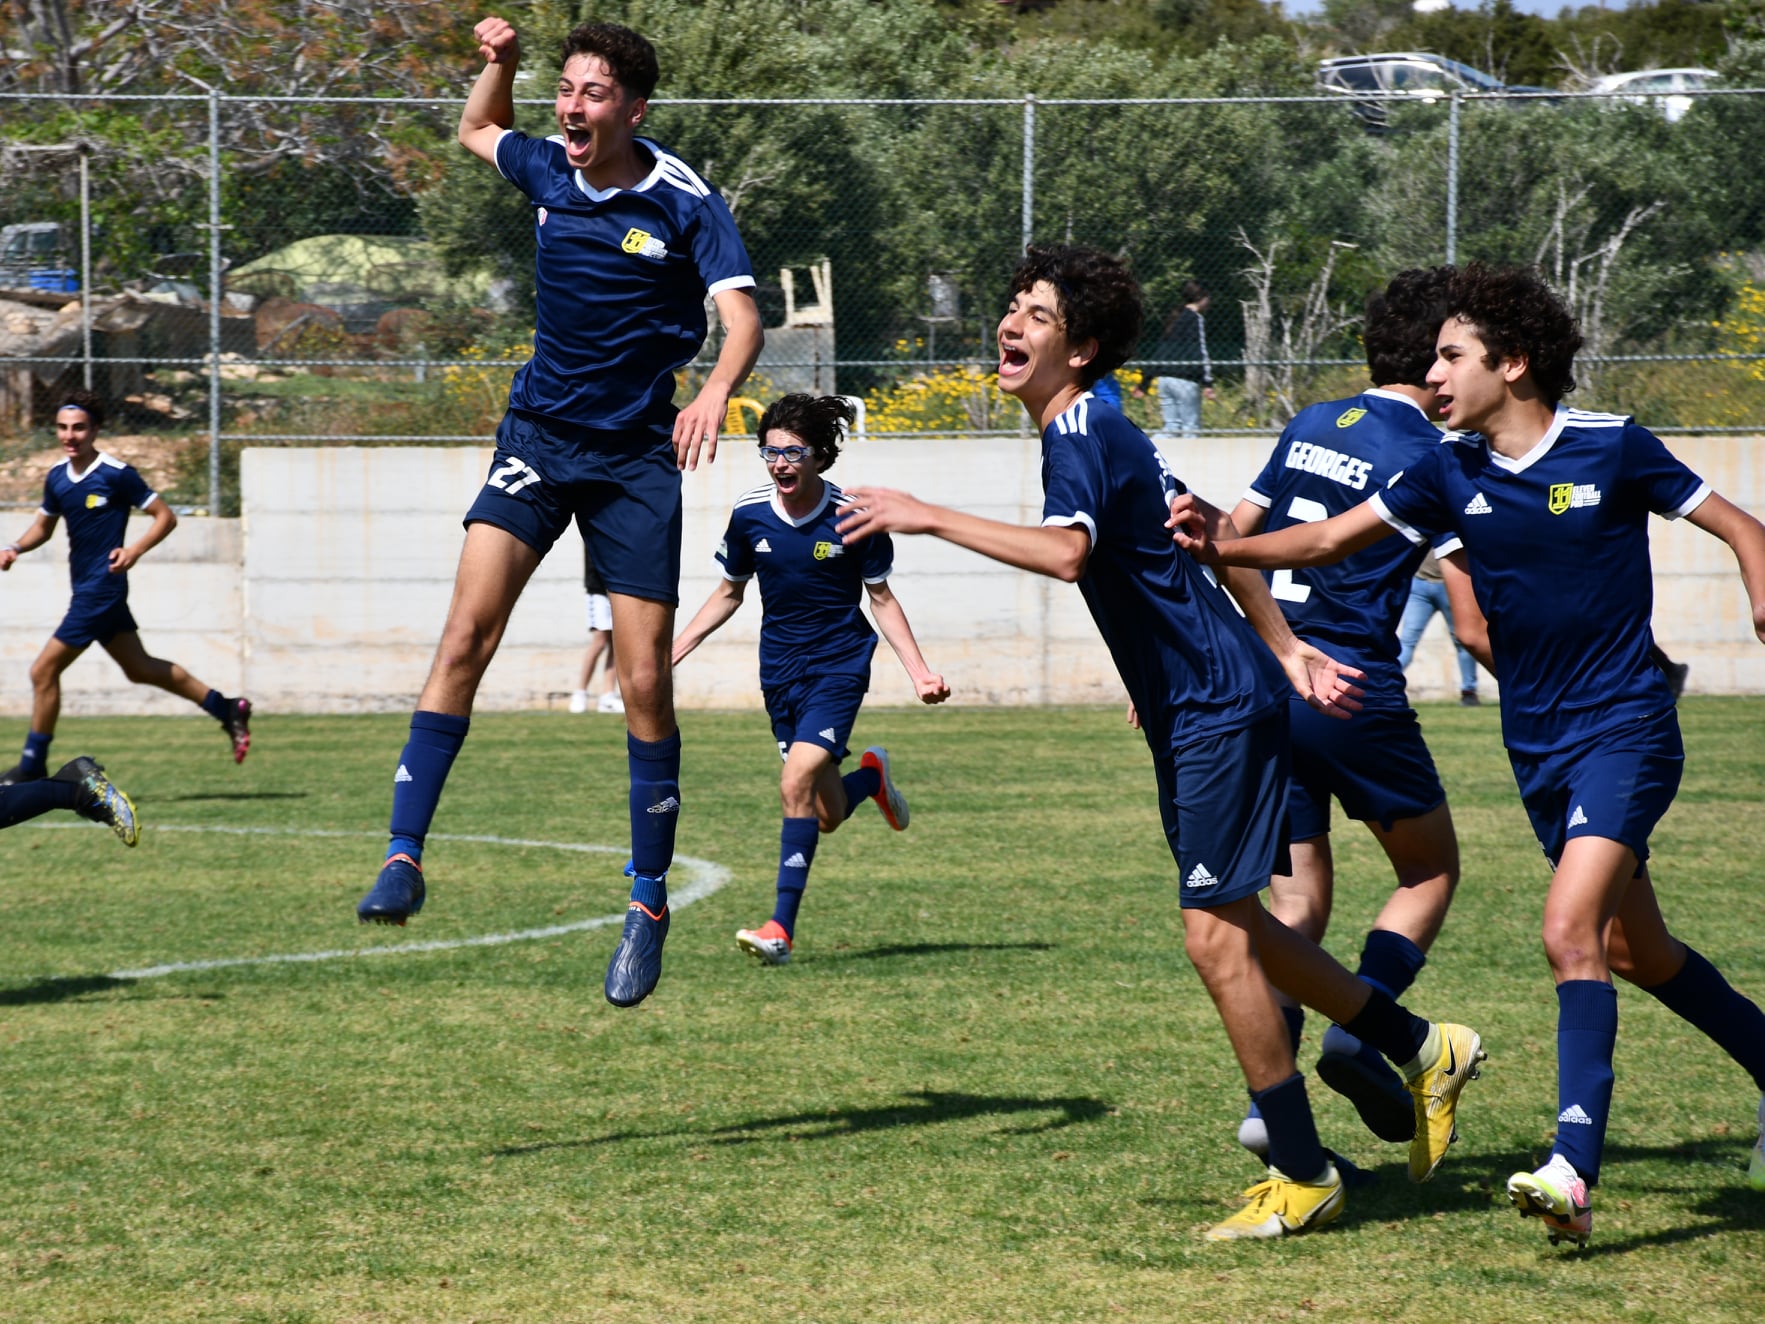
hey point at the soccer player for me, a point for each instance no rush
(630, 242)
(1377, 765)
(79, 785)
(815, 645)
(1552, 506)
(94, 493)
(1211, 703)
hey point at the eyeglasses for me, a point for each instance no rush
(789, 454)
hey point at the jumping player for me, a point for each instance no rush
(1211, 703)
(630, 242)
(94, 492)
(79, 785)
(815, 645)
(1327, 460)
(1552, 505)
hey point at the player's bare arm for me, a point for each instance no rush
(28, 541)
(490, 106)
(1206, 534)
(891, 620)
(698, 425)
(1469, 626)
(1744, 534)
(164, 521)
(725, 599)
(1058, 551)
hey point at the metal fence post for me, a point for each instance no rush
(1452, 181)
(1029, 167)
(214, 302)
(86, 261)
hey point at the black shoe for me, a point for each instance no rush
(100, 799)
(1469, 699)
(397, 893)
(1676, 674)
(636, 966)
(16, 774)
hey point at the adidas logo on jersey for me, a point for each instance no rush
(1478, 506)
(827, 733)
(1574, 1115)
(1200, 877)
(796, 861)
(402, 775)
(1578, 818)
(762, 546)
(668, 806)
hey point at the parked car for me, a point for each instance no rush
(1664, 88)
(35, 255)
(1376, 82)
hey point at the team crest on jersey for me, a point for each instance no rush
(824, 550)
(1571, 496)
(1349, 417)
(644, 244)
(95, 500)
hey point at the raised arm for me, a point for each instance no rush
(718, 608)
(892, 621)
(490, 106)
(164, 521)
(1746, 537)
(1056, 550)
(28, 541)
(697, 426)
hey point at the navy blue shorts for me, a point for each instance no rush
(1224, 804)
(816, 710)
(1616, 785)
(621, 488)
(1375, 763)
(95, 623)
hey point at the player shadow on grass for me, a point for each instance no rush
(204, 796)
(922, 1108)
(59, 988)
(932, 949)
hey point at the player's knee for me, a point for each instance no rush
(1571, 944)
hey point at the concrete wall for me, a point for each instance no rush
(328, 596)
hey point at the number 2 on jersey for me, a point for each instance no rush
(1283, 587)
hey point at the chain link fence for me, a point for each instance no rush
(233, 270)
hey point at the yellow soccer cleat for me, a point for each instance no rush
(1436, 1090)
(1280, 1207)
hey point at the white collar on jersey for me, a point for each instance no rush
(642, 186)
(99, 460)
(1537, 453)
(827, 490)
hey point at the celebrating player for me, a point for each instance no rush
(630, 242)
(1552, 506)
(94, 492)
(1210, 701)
(1328, 458)
(815, 645)
(79, 785)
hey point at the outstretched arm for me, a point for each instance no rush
(28, 541)
(1059, 551)
(490, 106)
(1746, 536)
(718, 608)
(892, 621)
(1206, 534)
(1469, 626)
(164, 521)
(696, 427)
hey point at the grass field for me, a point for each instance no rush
(988, 1087)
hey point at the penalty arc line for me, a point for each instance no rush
(705, 877)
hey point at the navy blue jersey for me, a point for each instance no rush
(1559, 553)
(810, 584)
(1330, 458)
(95, 505)
(622, 281)
(1191, 663)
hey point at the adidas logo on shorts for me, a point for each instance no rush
(827, 733)
(1200, 877)
(1578, 818)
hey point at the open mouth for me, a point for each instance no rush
(578, 139)
(786, 480)
(1012, 359)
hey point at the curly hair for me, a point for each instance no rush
(818, 420)
(629, 55)
(1099, 300)
(89, 401)
(1402, 323)
(1515, 313)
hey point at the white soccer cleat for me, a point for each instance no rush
(579, 701)
(1557, 1195)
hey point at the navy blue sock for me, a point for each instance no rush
(1700, 995)
(1390, 962)
(1294, 1146)
(860, 786)
(797, 840)
(214, 703)
(1389, 1028)
(24, 800)
(1587, 1030)
(422, 771)
(655, 810)
(35, 759)
(1295, 1018)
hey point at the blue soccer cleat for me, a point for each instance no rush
(100, 799)
(636, 966)
(397, 893)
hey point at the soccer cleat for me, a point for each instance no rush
(769, 943)
(579, 701)
(1253, 1133)
(1359, 1074)
(237, 725)
(888, 796)
(1556, 1194)
(610, 703)
(1280, 1207)
(1436, 1089)
(1756, 1167)
(100, 799)
(636, 966)
(16, 774)
(397, 893)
